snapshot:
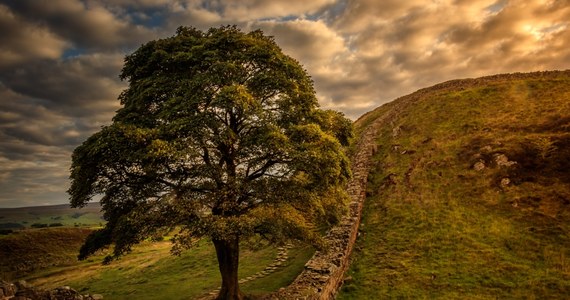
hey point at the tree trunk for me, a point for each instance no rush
(228, 260)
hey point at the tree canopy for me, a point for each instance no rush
(219, 135)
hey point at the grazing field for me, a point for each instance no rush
(469, 197)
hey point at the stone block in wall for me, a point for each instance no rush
(7, 289)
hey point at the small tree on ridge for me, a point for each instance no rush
(219, 136)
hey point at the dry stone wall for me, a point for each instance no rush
(324, 272)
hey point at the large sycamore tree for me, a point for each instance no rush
(219, 136)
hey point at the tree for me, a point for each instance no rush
(219, 136)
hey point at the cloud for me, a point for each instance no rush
(32, 183)
(34, 156)
(21, 41)
(35, 148)
(85, 85)
(325, 54)
(139, 3)
(242, 10)
(311, 42)
(86, 24)
(344, 78)
(193, 15)
(49, 107)
(30, 122)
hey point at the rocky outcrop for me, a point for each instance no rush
(21, 290)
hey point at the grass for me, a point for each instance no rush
(435, 228)
(32, 250)
(298, 256)
(47, 258)
(150, 271)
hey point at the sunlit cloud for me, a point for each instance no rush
(19, 40)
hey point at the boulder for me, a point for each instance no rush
(478, 166)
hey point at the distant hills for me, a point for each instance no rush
(52, 215)
(469, 196)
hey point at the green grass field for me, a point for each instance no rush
(469, 195)
(150, 272)
(47, 258)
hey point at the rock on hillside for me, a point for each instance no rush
(21, 290)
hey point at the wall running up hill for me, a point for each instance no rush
(324, 272)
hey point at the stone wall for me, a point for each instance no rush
(21, 290)
(324, 272)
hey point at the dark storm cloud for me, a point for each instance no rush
(15, 150)
(87, 24)
(79, 86)
(45, 188)
(35, 149)
(21, 42)
(25, 124)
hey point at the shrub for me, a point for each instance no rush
(6, 231)
(39, 225)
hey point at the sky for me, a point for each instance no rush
(60, 60)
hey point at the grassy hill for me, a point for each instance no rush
(27, 251)
(16, 218)
(469, 193)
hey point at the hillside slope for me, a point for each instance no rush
(469, 195)
(29, 251)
